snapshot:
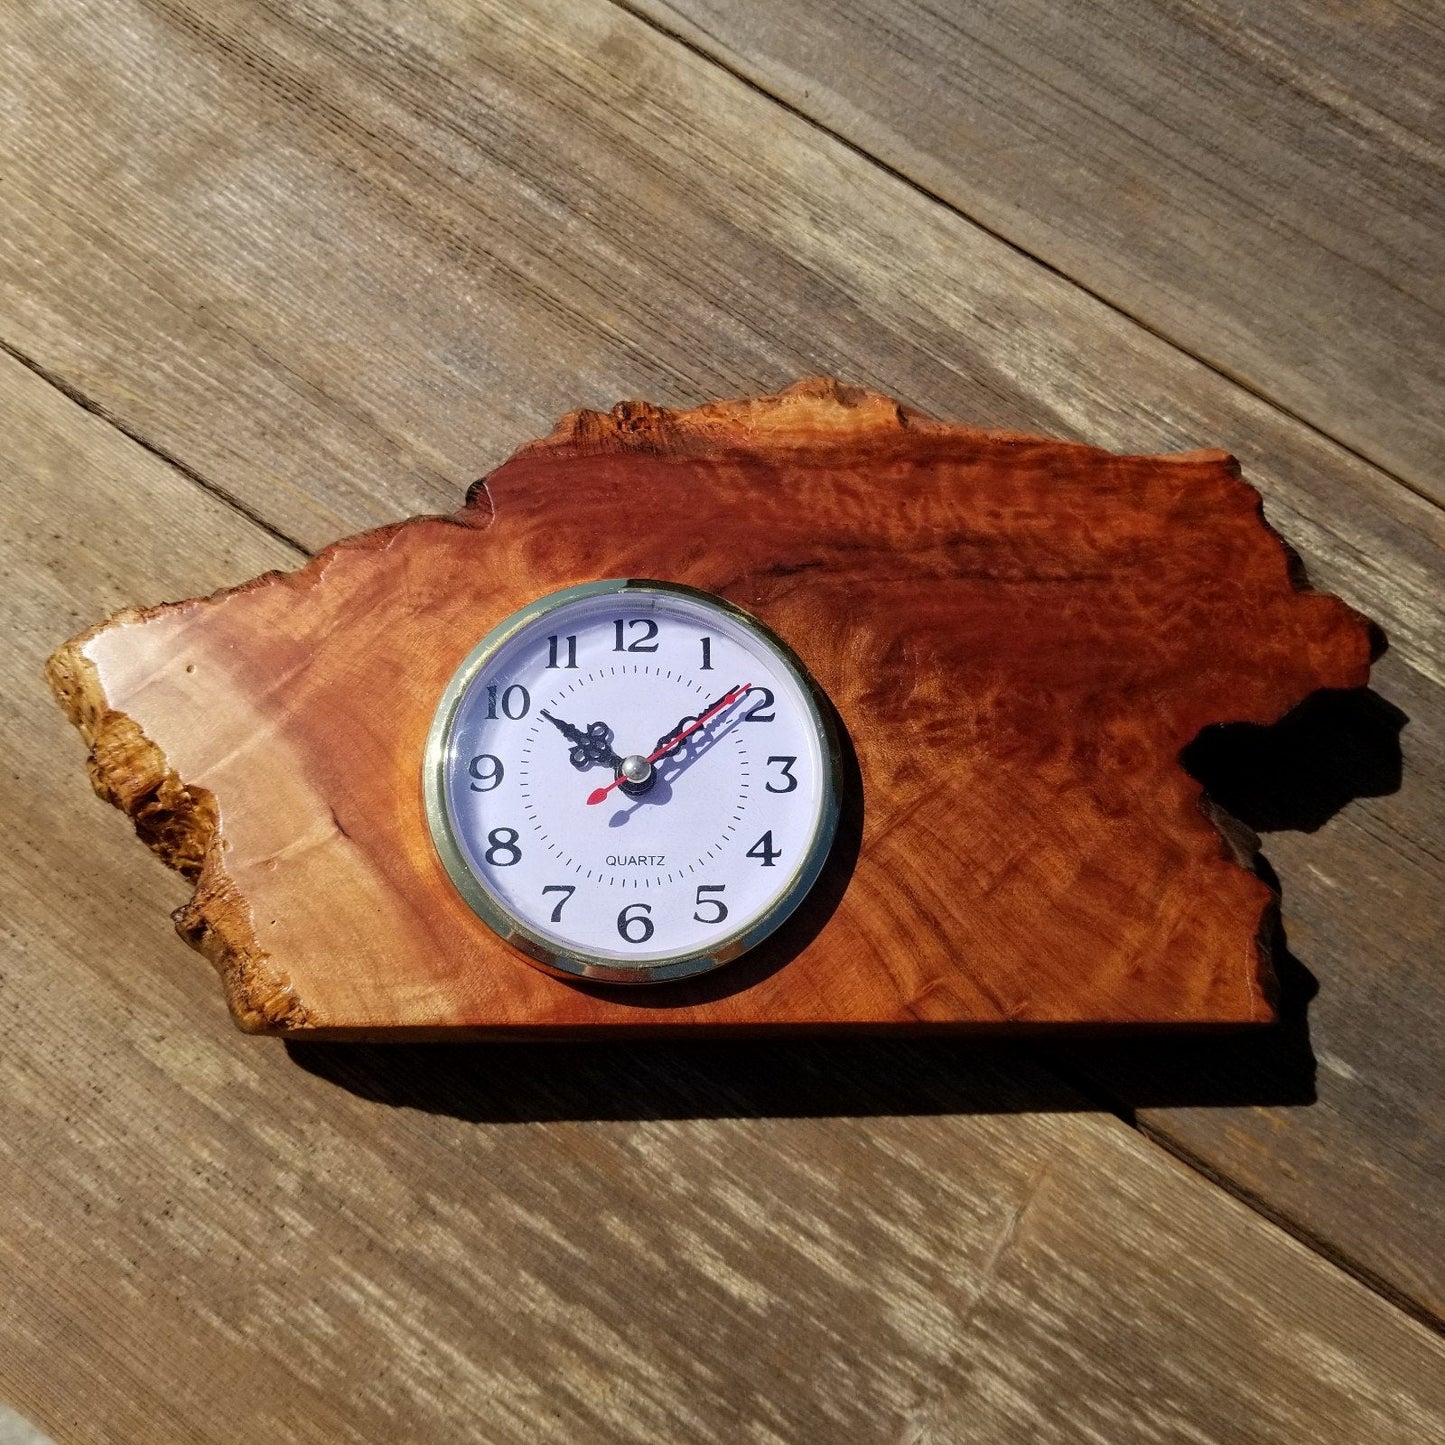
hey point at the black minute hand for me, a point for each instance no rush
(590, 747)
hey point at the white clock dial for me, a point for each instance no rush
(632, 781)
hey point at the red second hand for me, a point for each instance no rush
(599, 794)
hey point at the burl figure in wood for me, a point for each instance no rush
(1019, 635)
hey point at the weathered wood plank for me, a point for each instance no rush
(203, 1242)
(307, 252)
(1365, 938)
(1265, 186)
(355, 224)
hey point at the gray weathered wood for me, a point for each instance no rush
(1353, 1079)
(338, 262)
(1263, 184)
(354, 224)
(204, 1242)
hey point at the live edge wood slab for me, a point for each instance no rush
(1020, 636)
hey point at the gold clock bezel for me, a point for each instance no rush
(577, 964)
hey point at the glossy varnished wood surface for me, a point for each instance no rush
(1021, 637)
(335, 263)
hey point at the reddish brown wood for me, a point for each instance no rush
(1020, 636)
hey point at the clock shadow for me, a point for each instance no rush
(1335, 747)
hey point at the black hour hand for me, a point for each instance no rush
(588, 748)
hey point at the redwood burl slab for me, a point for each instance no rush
(1020, 636)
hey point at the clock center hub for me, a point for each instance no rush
(637, 774)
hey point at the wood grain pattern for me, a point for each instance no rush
(306, 253)
(337, 258)
(1263, 184)
(1021, 638)
(202, 1242)
(342, 237)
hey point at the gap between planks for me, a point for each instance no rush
(1282, 1220)
(86, 403)
(675, 36)
(1408, 1305)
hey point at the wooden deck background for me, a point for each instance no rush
(273, 272)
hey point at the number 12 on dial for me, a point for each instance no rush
(632, 781)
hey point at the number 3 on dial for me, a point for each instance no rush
(632, 782)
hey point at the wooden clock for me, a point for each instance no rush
(803, 712)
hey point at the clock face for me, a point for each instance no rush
(632, 781)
